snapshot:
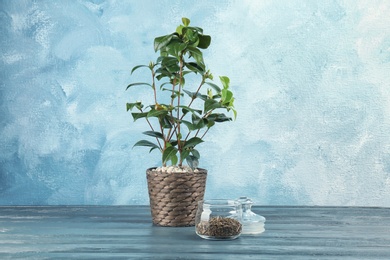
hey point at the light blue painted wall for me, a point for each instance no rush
(312, 80)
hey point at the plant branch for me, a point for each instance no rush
(196, 93)
(204, 133)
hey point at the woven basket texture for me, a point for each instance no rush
(174, 197)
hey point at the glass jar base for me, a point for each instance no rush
(218, 238)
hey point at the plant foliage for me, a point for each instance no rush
(180, 123)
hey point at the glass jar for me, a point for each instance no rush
(218, 219)
(252, 223)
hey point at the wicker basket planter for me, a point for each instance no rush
(174, 196)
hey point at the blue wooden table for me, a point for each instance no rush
(126, 232)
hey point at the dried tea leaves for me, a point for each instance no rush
(219, 227)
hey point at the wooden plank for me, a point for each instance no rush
(126, 232)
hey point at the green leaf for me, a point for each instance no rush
(157, 113)
(195, 67)
(210, 123)
(199, 122)
(138, 115)
(188, 109)
(211, 104)
(179, 29)
(184, 154)
(196, 124)
(195, 95)
(168, 153)
(163, 73)
(204, 41)
(185, 21)
(192, 161)
(174, 159)
(191, 143)
(170, 64)
(195, 153)
(147, 144)
(162, 41)
(189, 93)
(226, 96)
(130, 106)
(197, 29)
(165, 123)
(138, 84)
(197, 55)
(154, 134)
(137, 67)
(177, 48)
(189, 125)
(219, 117)
(192, 36)
(168, 61)
(203, 97)
(173, 69)
(172, 143)
(225, 81)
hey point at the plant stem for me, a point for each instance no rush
(154, 86)
(169, 135)
(189, 105)
(155, 101)
(178, 132)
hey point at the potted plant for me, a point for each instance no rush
(186, 104)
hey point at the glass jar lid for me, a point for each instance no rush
(252, 223)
